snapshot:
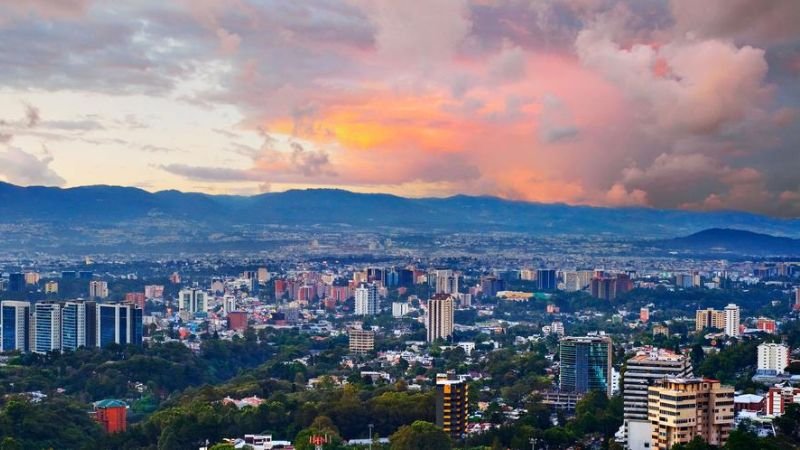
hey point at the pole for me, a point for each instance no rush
(370, 436)
(533, 443)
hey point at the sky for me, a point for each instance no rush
(666, 104)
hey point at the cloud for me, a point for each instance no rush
(20, 167)
(761, 22)
(32, 116)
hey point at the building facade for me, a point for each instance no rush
(642, 371)
(193, 300)
(47, 327)
(585, 364)
(361, 341)
(772, 359)
(680, 409)
(366, 299)
(452, 405)
(440, 319)
(118, 324)
(15, 318)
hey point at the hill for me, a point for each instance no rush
(728, 240)
(93, 213)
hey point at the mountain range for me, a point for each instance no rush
(104, 207)
(726, 240)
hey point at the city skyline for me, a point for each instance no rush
(604, 103)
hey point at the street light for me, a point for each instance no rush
(533, 443)
(370, 436)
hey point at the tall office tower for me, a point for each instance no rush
(642, 371)
(118, 323)
(546, 279)
(709, 318)
(452, 404)
(772, 359)
(441, 309)
(446, 282)
(367, 299)
(15, 318)
(361, 341)
(586, 364)
(51, 287)
(681, 409)
(16, 282)
(98, 289)
(193, 300)
(78, 325)
(47, 327)
(732, 320)
(490, 286)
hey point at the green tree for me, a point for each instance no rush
(420, 435)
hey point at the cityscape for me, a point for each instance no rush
(400, 225)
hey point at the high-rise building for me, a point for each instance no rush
(709, 318)
(367, 299)
(440, 319)
(47, 327)
(98, 289)
(192, 300)
(15, 318)
(546, 280)
(446, 282)
(772, 359)
(16, 282)
(118, 323)
(644, 314)
(452, 404)
(51, 287)
(681, 409)
(490, 286)
(361, 341)
(586, 364)
(732, 320)
(604, 288)
(400, 309)
(641, 371)
(78, 325)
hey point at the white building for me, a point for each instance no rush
(193, 300)
(557, 328)
(400, 309)
(732, 320)
(366, 300)
(772, 359)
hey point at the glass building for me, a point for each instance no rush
(15, 325)
(585, 364)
